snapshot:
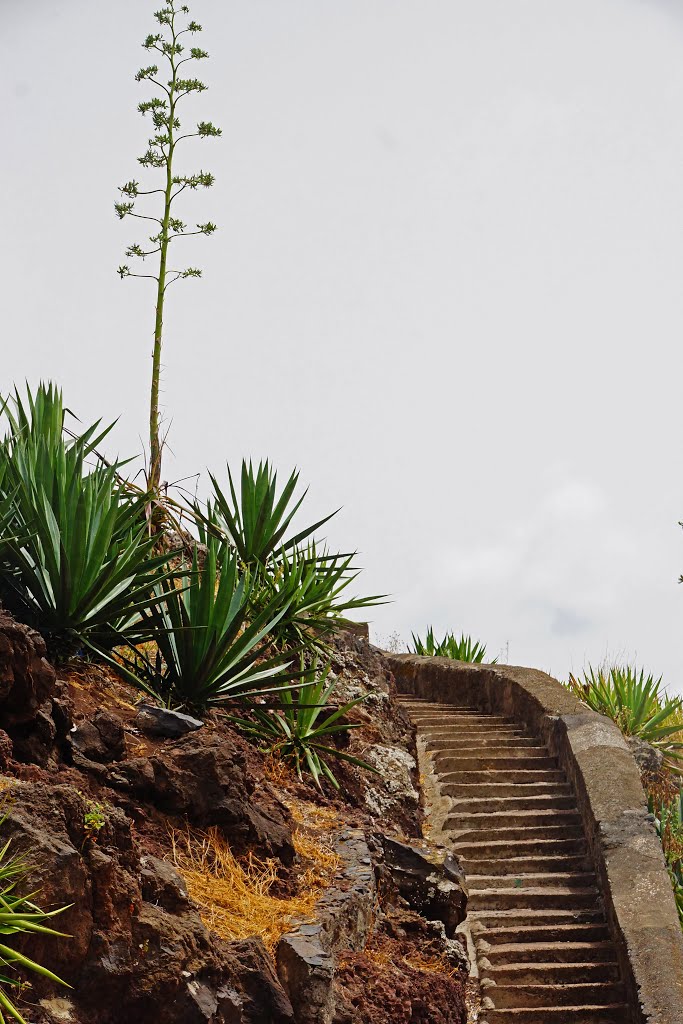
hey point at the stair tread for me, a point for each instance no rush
(578, 946)
(476, 881)
(546, 890)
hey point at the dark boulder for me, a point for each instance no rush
(428, 877)
(263, 998)
(101, 740)
(206, 777)
(162, 722)
(27, 679)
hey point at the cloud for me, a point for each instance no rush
(568, 622)
(563, 562)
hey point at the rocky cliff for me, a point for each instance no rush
(205, 882)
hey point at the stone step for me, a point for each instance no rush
(582, 994)
(487, 742)
(486, 751)
(491, 850)
(417, 708)
(492, 804)
(502, 790)
(561, 897)
(516, 866)
(550, 879)
(419, 702)
(447, 762)
(483, 921)
(551, 817)
(466, 721)
(551, 973)
(475, 731)
(550, 952)
(519, 834)
(616, 1013)
(508, 777)
(592, 932)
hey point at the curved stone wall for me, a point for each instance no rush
(639, 902)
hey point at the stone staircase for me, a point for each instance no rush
(543, 948)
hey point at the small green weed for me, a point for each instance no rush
(94, 821)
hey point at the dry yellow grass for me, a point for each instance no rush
(276, 770)
(438, 964)
(385, 956)
(235, 896)
(314, 817)
(381, 956)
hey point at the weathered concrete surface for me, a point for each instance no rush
(627, 854)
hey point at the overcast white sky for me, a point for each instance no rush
(446, 284)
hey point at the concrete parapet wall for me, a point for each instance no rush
(628, 858)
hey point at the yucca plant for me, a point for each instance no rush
(464, 649)
(300, 731)
(256, 522)
(19, 916)
(75, 558)
(317, 582)
(636, 702)
(210, 647)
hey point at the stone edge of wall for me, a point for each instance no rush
(343, 917)
(639, 902)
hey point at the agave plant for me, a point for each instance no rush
(74, 554)
(464, 649)
(208, 646)
(316, 582)
(19, 916)
(257, 521)
(636, 702)
(299, 731)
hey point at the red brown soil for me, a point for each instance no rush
(388, 984)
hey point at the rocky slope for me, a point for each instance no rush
(94, 798)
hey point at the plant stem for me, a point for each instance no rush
(154, 479)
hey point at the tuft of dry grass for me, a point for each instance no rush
(235, 896)
(277, 771)
(388, 956)
(436, 964)
(380, 955)
(315, 818)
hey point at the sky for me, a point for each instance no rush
(445, 285)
